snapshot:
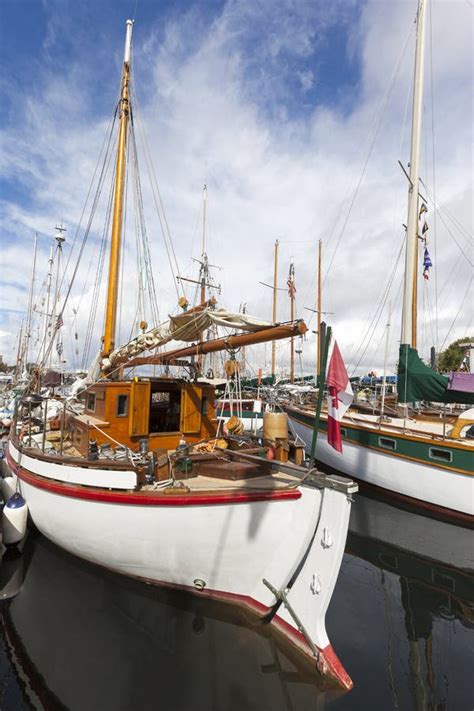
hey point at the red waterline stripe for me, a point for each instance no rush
(141, 499)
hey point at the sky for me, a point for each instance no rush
(294, 113)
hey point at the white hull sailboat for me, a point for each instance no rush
(124, 485)
(223, 544)
(430, 463)
(405, 471)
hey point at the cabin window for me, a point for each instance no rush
(122, 405)
(204, 405)
(165, 411)
(78, 437)
(343, 432)
(387, 443)
(90, 406)
(442, 455)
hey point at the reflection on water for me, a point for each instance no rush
(401, 620)
(403, 613)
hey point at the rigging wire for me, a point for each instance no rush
(166, 233)
(458, 312)
(442, 209)
(377, 126)
(145, 242)
(377, 314)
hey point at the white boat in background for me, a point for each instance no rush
(430, 463)
(138, 483)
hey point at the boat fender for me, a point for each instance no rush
(14, 520)
(7, 487)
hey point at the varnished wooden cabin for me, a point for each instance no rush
(164, 411)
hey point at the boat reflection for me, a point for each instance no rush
(79, 637)
(409, 581)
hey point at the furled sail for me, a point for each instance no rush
(416, 381)
(186, 327)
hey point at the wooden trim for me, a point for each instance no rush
(419, 435)
(391, 453)
(72, 461)
(139, 498)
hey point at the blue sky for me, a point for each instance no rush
(276, 105)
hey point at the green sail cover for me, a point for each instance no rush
(416, 381)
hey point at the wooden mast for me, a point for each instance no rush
(115, 245)
(274, 308)
(409, 315)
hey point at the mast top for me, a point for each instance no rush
(128, 42)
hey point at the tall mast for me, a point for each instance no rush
(274, 308)
(47, 315)
(29, 313)
(115, 245)
(291, 289)
(318, 312)
(408, 335)
(204, 214)
(204, 269)
(60, 238)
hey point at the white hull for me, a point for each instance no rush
(427, 483)
(229, 547)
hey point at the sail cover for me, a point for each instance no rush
(416, 381)
(186, 327)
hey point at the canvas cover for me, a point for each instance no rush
(186, 327)
(416, 381)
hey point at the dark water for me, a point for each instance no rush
(401, 620)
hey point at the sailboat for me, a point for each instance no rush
(421, 460)
(124, 485)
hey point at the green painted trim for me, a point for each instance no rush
(462, 460)
(245, 415)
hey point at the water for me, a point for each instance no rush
(401, 620)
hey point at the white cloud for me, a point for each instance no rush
(215, 112)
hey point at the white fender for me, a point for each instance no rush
(14, 520)
(7, 487)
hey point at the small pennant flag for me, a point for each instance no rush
(423, 209)
(339, 398)
(427, 263)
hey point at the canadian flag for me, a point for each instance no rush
(340, 396)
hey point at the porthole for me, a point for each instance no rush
(442, 455)
(388, 443)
